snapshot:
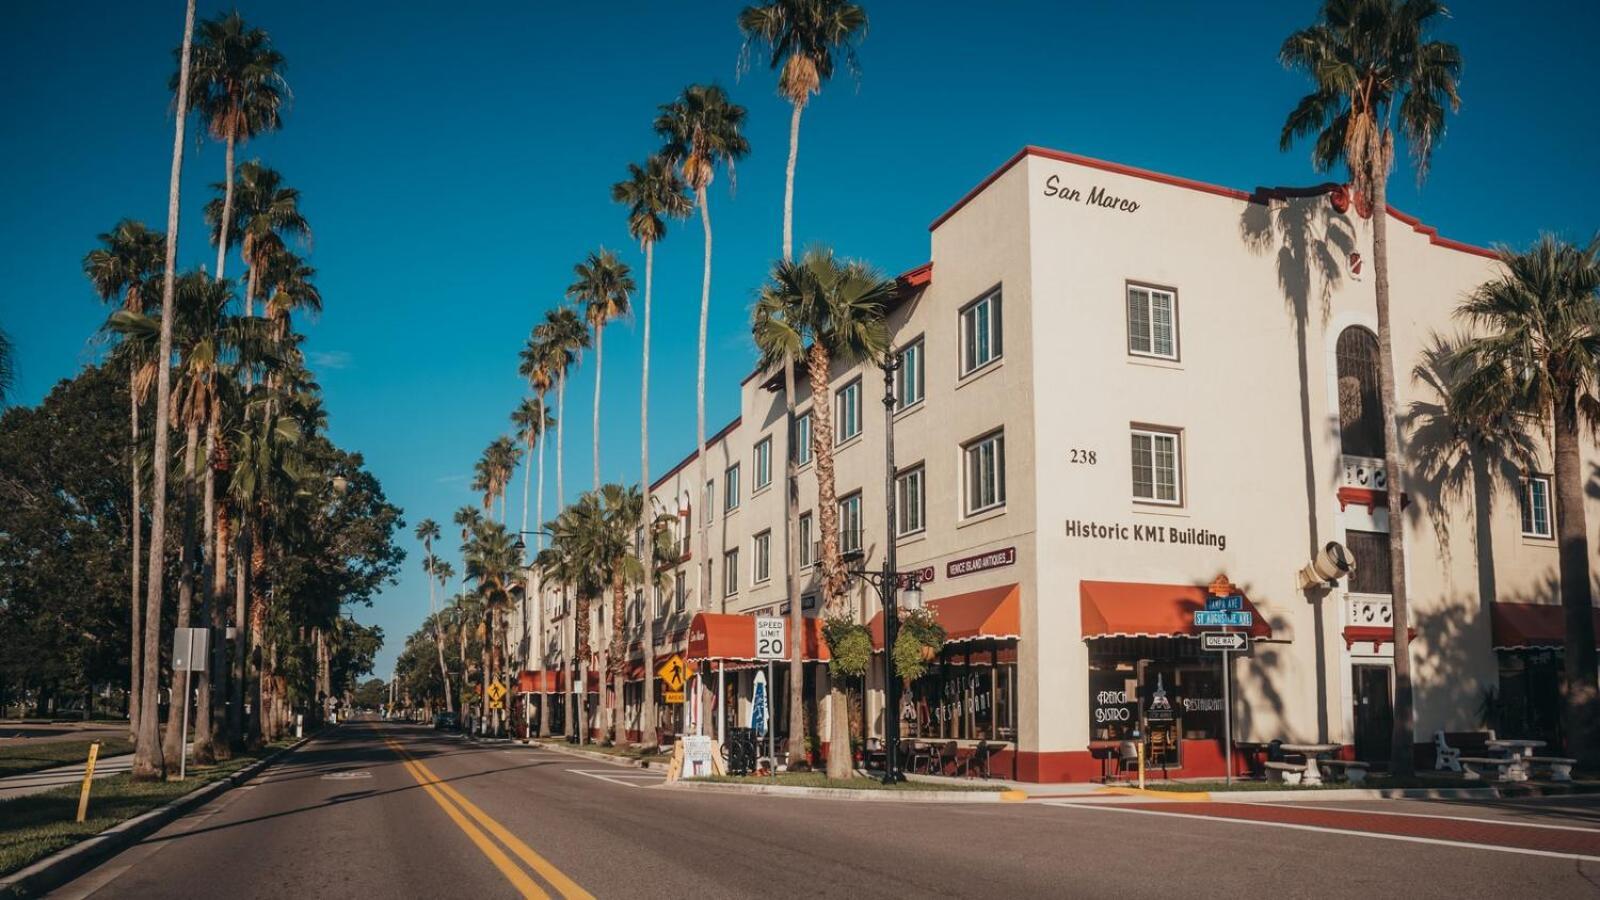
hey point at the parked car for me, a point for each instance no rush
(447, 721)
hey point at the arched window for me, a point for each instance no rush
(1360, 409)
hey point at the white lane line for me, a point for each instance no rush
(608, 776)
(1374, 812)
(1465, 845)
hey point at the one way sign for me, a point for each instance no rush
(1224, 640)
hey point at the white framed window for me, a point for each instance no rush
(730, 488)
(847, 412)
(980, 332)
(661, 602)
(801, 447)
(730, 573)
(680, 591)
(761, 462)
(761, 564)
(1157, 466)
(1536, 518)
(908, 378)
(1152, 321)
(850, 523)
(910, 498)
(985, 473)
(806, 539)
(710, 500)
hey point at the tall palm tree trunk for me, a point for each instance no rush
(788, 180)
(647, 697)
(791, 492)
(700, 425)
(260, 687)
(182, 682)
(544, 693)
(485, 654)
(444, 671)
(147, 759)
(1402, 739)
(227, 208)
(136, 645)
(1581, 712)
(833, 577)
(241, 630)
(203, 722)
(220, 720)
(599, 366)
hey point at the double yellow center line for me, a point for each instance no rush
(473, 822)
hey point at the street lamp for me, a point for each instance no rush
(887, 581)
(522, 545)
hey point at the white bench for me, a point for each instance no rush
(1447, 748)
(1560, 766)
(1475, 767)
(1354, 772)
(1285, 772)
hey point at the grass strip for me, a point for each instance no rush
(819, 780)
(37, 825)
(20, 759)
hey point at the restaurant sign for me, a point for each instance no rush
(994, 559)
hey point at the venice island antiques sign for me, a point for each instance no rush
(994, 559)
(1146, 534)
(1097, 196)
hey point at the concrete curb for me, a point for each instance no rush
(61, 867)
(818, 793)
(1332, 795)
(654, 765)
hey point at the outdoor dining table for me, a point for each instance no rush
(1521, 751)
(1312, 775)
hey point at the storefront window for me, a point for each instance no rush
(1164, 688)
(970, 693)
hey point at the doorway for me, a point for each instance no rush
(1373, 715)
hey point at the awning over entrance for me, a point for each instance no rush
(1532, 626)
(992, 614)
(1138, 609)
(732, 638)
(548, 681)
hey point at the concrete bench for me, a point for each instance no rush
(1475, 767)
(1354, 772)
(1449, 746)
(1285, 772)
(1560, 766)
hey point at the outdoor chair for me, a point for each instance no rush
(949, 757)
(980, 759)
(922, 753)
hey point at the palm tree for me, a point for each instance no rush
(238, 89)
(287, 282)
(1372, 72)
(653, 194)
(536, 366)
(563, 336)
(147, 761)
(701, 130)
(803, 37)
(264, 212)
(441, 571)
(828, 311)
(427, 532)
(602, 287)
(531, 421)
(1539, 357)
(490, 561)
(125, 266)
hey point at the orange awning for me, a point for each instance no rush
(732, 638)
(1137, 609)
(992, 614)
(1532, 626)
(548, 681)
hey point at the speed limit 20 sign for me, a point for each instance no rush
(771, 638)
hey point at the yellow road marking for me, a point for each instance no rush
(543, 867)
(518, 878)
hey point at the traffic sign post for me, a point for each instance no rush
(1225, 608)
(188, 656)
(1225, 641)
(771, 644)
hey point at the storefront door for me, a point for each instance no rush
(1373, 714)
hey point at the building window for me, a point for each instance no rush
(980, 332)
(1371, 551)
(850, 523)
(1536, 506)
(985, 473)
(730, 488)
(847, 411)
(805, 540)
(909, 498)
(710, 498)
(1156, 476)
(680, 592)
(800, 449)
(762, 564)
(1360, 409)
(762, 463)
(908, 378)
(730, 573)
(661, 602)
(1152, 322)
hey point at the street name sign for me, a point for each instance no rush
(1222, 619)
(1230, 603)
(1224, 641)
(771, 640)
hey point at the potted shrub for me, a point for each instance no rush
(917, 643)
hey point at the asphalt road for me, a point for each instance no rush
(397, 811)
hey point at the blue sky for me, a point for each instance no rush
(456, 160)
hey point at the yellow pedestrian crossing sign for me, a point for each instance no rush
(497, 695)
(674, 674)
